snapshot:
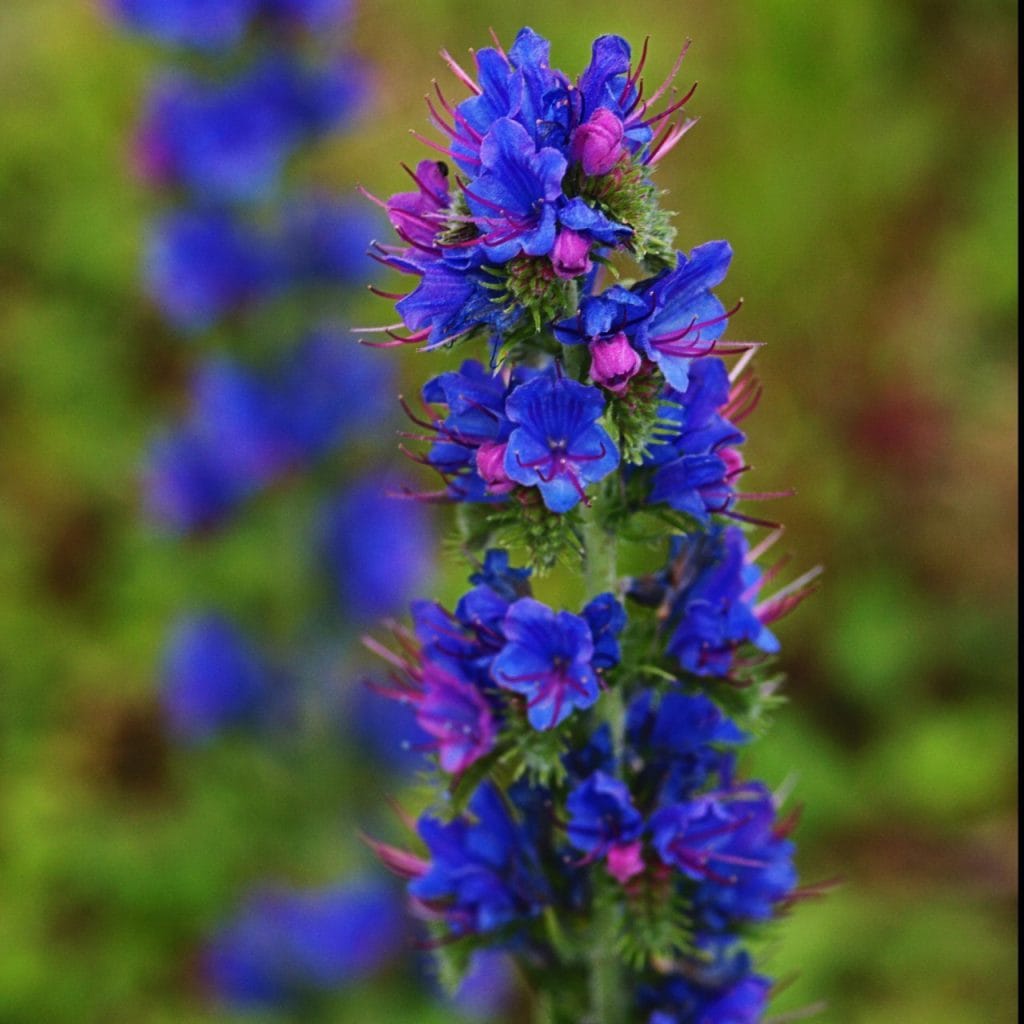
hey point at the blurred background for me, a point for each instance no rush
(861, 158)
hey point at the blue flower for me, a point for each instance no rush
(212, 679)
(547, 659)
(696, 457)
(727, 843)
(229, 142)
(187, 485)
(685, 319)
(201, 266)
(602, 815)
(285, 945)
(497, 574)
(722, 991)
(325, 241)
(557, 444)
(514, 197)
(218, 24)
(205, 24)
(489, 987)
(376, 546)
(683, 740)
(607, 619)
(711, 615)
(483, 874)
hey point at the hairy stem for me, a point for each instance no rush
(600, 567)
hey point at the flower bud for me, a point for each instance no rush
(625, 861)
(597, 144)
(613, 362)
(570, 256)
(490, 464)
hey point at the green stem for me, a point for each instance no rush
(600, 556)
(600, 567)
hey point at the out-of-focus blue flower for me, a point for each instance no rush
(286, 944)
(187, 485)
(325, 240)
(202, 265)
(557, 444)
(547, 658)
(205, 24)
(230, 142)
(377, 547)
(482, 874)
(218, 24)
(489, 987)
(247, 429)
(212, 680)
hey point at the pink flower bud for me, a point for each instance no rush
(570, 255)
(597, 144)
(613, 362)
(625, 861)
(490, 464)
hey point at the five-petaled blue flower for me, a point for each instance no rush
(547, 658)
(557, 444)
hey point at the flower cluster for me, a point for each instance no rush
(591, 820)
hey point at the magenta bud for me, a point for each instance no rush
(490, 464)
(625, 861)
(597, 144)
(570, 255)
(613, 362)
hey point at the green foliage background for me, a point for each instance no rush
(861, 158)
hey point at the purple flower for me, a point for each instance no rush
(285, 945)
(557, 444)
(376, 547)
(613, 362)
(597, 143)
(547, 658)
(202, 266)
(570, 255)
(483, 874)
(212, 679)
(457, 715)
